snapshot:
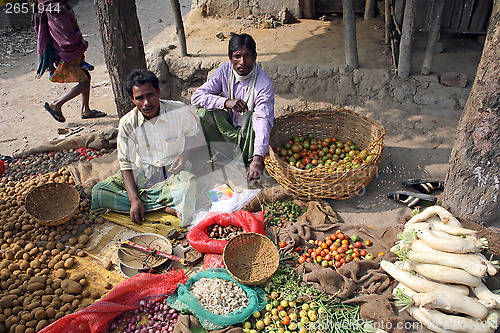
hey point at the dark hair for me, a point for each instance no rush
(139, 77)
(238, 41)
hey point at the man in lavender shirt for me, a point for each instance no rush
(237, 104)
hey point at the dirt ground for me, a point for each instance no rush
(418, 141)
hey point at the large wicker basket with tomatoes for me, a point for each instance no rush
(329, 153)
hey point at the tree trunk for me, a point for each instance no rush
(350, 44)
(123, 47)
(472, 185)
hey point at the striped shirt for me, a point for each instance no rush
(151, 144)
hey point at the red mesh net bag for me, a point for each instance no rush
(201, 241)
(125, 296)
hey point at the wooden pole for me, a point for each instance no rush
(387, 21)
(309, 9)
(370, 9)
(350, 47)
(176, 8)
(404, 64)
(437, 16)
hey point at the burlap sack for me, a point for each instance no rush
(98, 140)
(89, 173)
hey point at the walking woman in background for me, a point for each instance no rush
(61, 50)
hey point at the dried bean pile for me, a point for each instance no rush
(219, 296)
(216, 231)
(35, 287)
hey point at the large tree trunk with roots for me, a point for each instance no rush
(472, 185)
(123, 47)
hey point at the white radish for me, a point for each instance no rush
(418, 314)
(442, 228)
(492, 270)
(418, 245)
(489, 299)
(446, 274)
(404, 289)
(444, 215)
(456, 323)
(453, 245)
(417, 283)
(469, 263)
(445, 300)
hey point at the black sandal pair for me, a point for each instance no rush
(412, 199)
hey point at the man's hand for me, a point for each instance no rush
(136, 211)
(177, 165)
(256, 169)
(236, 105)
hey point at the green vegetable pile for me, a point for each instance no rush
(279, 212)
(329, 313)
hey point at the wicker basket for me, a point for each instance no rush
(52, 203)
(318, 182)
(251, 258)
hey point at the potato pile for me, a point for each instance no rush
(36, 287)
(45, 162)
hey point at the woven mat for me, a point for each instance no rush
(96, 274)
(155, 222)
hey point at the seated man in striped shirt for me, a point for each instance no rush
(155, 140)
(236, 107)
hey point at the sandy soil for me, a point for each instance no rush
(418, 141)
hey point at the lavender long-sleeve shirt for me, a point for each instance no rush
(213, 94)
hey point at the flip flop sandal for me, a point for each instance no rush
(424, 185)
(411, 199)
(56, 115)
(94, 114)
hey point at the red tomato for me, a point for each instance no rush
(282, 244)
(363, 253)
(358, 244)
(301, 259)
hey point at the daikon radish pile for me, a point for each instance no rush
(440, 272)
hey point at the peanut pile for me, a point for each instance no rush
(216, 231)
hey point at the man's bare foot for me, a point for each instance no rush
(171, 211)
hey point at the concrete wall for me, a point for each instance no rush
(244, 8)
(180, 77)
